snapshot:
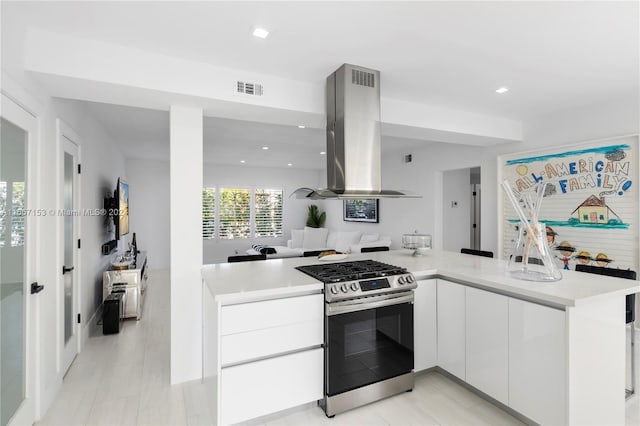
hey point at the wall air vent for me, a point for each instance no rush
(363, 78)
(253, 89)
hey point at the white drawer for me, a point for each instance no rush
(254, 344)
(271, 313)
(263, 387)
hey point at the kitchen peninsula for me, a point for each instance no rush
(552, 352)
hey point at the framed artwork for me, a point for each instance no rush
(362, 210)
(590, 208)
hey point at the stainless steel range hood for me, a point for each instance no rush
(353, 137)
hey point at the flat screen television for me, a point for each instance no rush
(122, 200)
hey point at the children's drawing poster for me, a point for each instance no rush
(590, 206)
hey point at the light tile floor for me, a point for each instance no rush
(123, 379)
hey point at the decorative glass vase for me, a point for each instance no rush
(419, 243)
(531, 259)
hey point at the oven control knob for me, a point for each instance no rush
(354, 286)
(334, 289)
(344, 288)
(401, 280)
(410, 279)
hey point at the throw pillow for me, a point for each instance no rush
(297, 238)
(263, 249)
(315, 238)
(345, 239)
(369, 238)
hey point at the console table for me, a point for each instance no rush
(133, 281)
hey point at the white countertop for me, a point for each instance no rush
(248, 281)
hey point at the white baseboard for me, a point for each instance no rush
(86, 329)
(48, 395)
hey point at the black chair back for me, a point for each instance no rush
(482, 253)
(618, 273)
(531, 260)
(372, 249)
(246, 258)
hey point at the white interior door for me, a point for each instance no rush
(18, 307)
(70, 248)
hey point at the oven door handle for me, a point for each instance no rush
(364, 304)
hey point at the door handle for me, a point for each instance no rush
(36, 288)
(65, 269)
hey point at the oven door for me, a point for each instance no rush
(368, 342)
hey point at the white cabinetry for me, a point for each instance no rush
(424, 325)
(257, 388)
(270, 356)
(487, 343)
(537, 374)
(451, 327)
(131, 281)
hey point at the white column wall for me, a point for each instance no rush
(186, 164)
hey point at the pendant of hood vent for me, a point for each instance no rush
(353, 138)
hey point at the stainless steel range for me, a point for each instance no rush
(368, 332)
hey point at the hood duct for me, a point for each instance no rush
(353, 137)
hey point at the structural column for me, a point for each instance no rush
(186, 164)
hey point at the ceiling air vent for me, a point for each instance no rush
(254, 89)
(363, 78)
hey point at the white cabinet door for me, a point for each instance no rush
(451, 327)
(424, 325)
(537, 362)
(487, 343)
(262, 387)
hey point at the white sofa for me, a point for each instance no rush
(317, 239)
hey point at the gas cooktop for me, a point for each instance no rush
(350, 271)
(362, 278)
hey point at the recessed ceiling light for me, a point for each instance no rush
(502, 90)
(260, 32)
(242, 161)
(322, 153)
(289, 164)
(265, 148)
(301, 126)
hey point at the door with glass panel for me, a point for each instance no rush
(69, 270)
(17, 254)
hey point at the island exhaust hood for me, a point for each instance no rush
(353, 138)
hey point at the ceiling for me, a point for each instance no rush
(553, 56)
(144, 134)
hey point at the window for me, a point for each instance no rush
(234, 213)
(601, 217)
(268, 212)
(239, 213)
(17, 218)
(585, 217)
(3, 212)
(208, 213)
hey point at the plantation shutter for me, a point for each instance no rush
(268, 212)
(208, 213)
(234, 213)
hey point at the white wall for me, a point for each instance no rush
(102, 164)
(456, 225)
(424, 175)
(149, 211)
(294, 210)
(149, 204)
